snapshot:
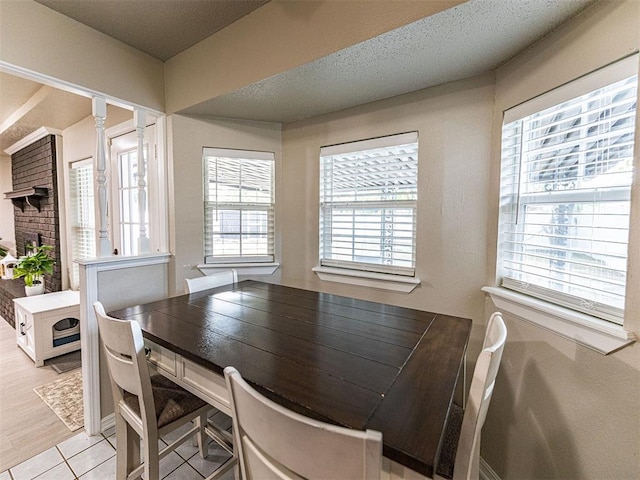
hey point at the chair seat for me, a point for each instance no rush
(171, 401)
(450, 443)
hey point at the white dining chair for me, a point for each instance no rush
(273, 442)
(198, 284)
(460, 454)
(148, 405)
(218, 279)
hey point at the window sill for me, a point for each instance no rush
(599, 335)
(385, 281)
(262, 269)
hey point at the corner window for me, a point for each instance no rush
(238, 205)
(567, 168)
(368, 195)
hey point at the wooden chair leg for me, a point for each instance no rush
(127, 448)
(151, 458)
(133, 452)
(201, 436)
(121, 448)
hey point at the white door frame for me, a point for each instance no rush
(89, 336)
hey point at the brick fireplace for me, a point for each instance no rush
(34, 166)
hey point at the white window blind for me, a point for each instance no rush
(239, 206)
(368, 195)
(83, 237)
(565, 193)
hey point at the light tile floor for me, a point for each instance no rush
(93, 458)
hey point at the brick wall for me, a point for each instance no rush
(10, 289)
(35, 166)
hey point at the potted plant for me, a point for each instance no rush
(33, 267)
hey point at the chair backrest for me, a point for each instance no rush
(218, 279)
(274, 442)
(467, 462)
(126, 361)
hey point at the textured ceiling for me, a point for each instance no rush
(160, 28)
(15, 92)
(470, 39)
(26, 106)
(466, 40)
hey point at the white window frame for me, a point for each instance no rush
(128, 210)
(157, 207)
(547, 311)
(261, 264)
(394, 274)
(76, 224)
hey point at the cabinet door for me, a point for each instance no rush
(25, 332)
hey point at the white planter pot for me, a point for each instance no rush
(36, 289)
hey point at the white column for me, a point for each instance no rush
(139, 120)
(90, 349)
(111, 294)
(99, 110)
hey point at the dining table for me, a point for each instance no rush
(347, 361)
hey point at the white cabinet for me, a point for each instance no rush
(48, 325)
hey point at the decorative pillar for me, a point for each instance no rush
(139, 120)
(99, 111)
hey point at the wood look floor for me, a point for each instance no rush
(27, 424)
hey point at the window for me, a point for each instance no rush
(134, 232)
(567, 166)
(83, 233)
(368, 195)
(238, 206)
(129, 219)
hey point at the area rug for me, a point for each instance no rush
(65, 363)
(64, 397)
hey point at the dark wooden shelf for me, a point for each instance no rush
(30, 196)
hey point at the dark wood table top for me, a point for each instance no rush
(346, 361)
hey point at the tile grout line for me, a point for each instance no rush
(64, 460)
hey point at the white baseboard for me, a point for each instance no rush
(486, 472)
(107, 422)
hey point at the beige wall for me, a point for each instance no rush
(79, 140)
(454, 129)
(280, 36)
(186, 138)
(561, 410)
(34, 38)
